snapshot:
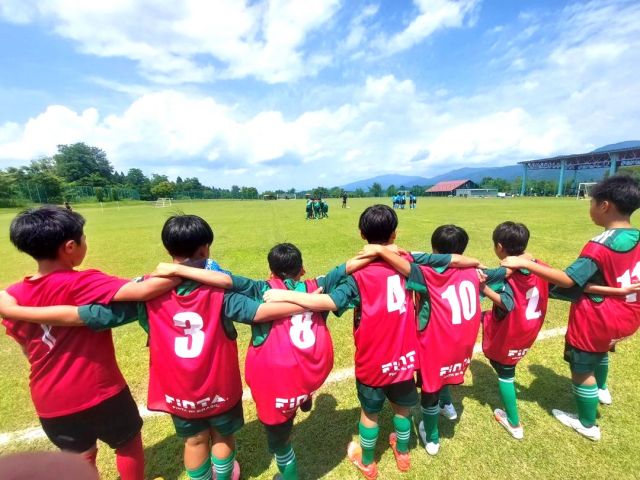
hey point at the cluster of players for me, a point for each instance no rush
(399, 201)
(316, 209)
(416, 320)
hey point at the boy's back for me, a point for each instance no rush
(384, 330)
(189, 349)
(72, 369)
(595, 325)
(507, 336)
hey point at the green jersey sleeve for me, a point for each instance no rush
(346, 295)
(435, 260)
(331, 280)
(416, 281)
(103, 317)
(239, 308)
(246, 286)
(496, 278)
(581, 271)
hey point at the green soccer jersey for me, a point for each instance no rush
(347, 294)
(236, 307)
(255, 289)
(584, 270)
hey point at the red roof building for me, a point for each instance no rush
(444, 189)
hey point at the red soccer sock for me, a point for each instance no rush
(130, 459)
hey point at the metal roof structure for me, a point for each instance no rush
(446, 186)
(602, 158)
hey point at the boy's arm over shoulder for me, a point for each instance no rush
(243, 309)
(333, 278)
(58, 315)
(550, 274)
(104, 317)
(247, 286)
(435, 260)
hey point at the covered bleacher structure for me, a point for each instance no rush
(601, 158)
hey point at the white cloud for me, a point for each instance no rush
(263, 40)
(433, 16)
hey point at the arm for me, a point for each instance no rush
(310, 301)
(356, 263)
(207, 277)
(389, 255)
(59, 315)
(493, 296)
(143, 291)
(611, 291)
(460, 261)
(272, 311)
(551, 275)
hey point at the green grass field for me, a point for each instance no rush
(126, 242)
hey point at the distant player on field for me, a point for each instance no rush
(596, 324)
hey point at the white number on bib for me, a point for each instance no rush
(395, 295)
(533, 297)
(191, 344)
(625, 280)
(463, 304)
(301, 334)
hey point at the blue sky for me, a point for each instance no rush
(283, 94)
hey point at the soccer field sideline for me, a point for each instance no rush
(36, 433)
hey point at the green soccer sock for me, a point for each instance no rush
(430, 417)
(508, 395)
(368, 439)
(203, 472)
(587, 400)
(445, 396)
(602, 372)
(287, 463)
(402, 426)
(224, 466)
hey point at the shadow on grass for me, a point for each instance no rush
(549, 390)
(165, 459)
(320, 440)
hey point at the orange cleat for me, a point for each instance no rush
(403, 461)
(354, 452)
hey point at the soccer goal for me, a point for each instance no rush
(163, 202)
(286, 196)
(584, 190)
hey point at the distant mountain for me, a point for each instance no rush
(619, 145)
(476, 174)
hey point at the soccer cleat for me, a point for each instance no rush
(604, 396)
(354, 453)
(432, 448)
(448, 411)
(571, 420)
(403, 461)
(236, 472)
(307, 405)
(501, 418)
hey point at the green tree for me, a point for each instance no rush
(163, 189)
(76, 162)
(375, 190)
(391, 190)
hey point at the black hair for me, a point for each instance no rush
(285, 260)
(449, 239)
(513, 237)
(621, 190)
(39, 232)
(377, 223)
(182, 235)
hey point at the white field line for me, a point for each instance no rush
(36, 433)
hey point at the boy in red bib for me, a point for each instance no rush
(596, 324)
(512, 326)
(77, 389)
(191, 342)
(288, 359)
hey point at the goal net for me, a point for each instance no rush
(286, 196)
(584, 190)
(163, 202)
